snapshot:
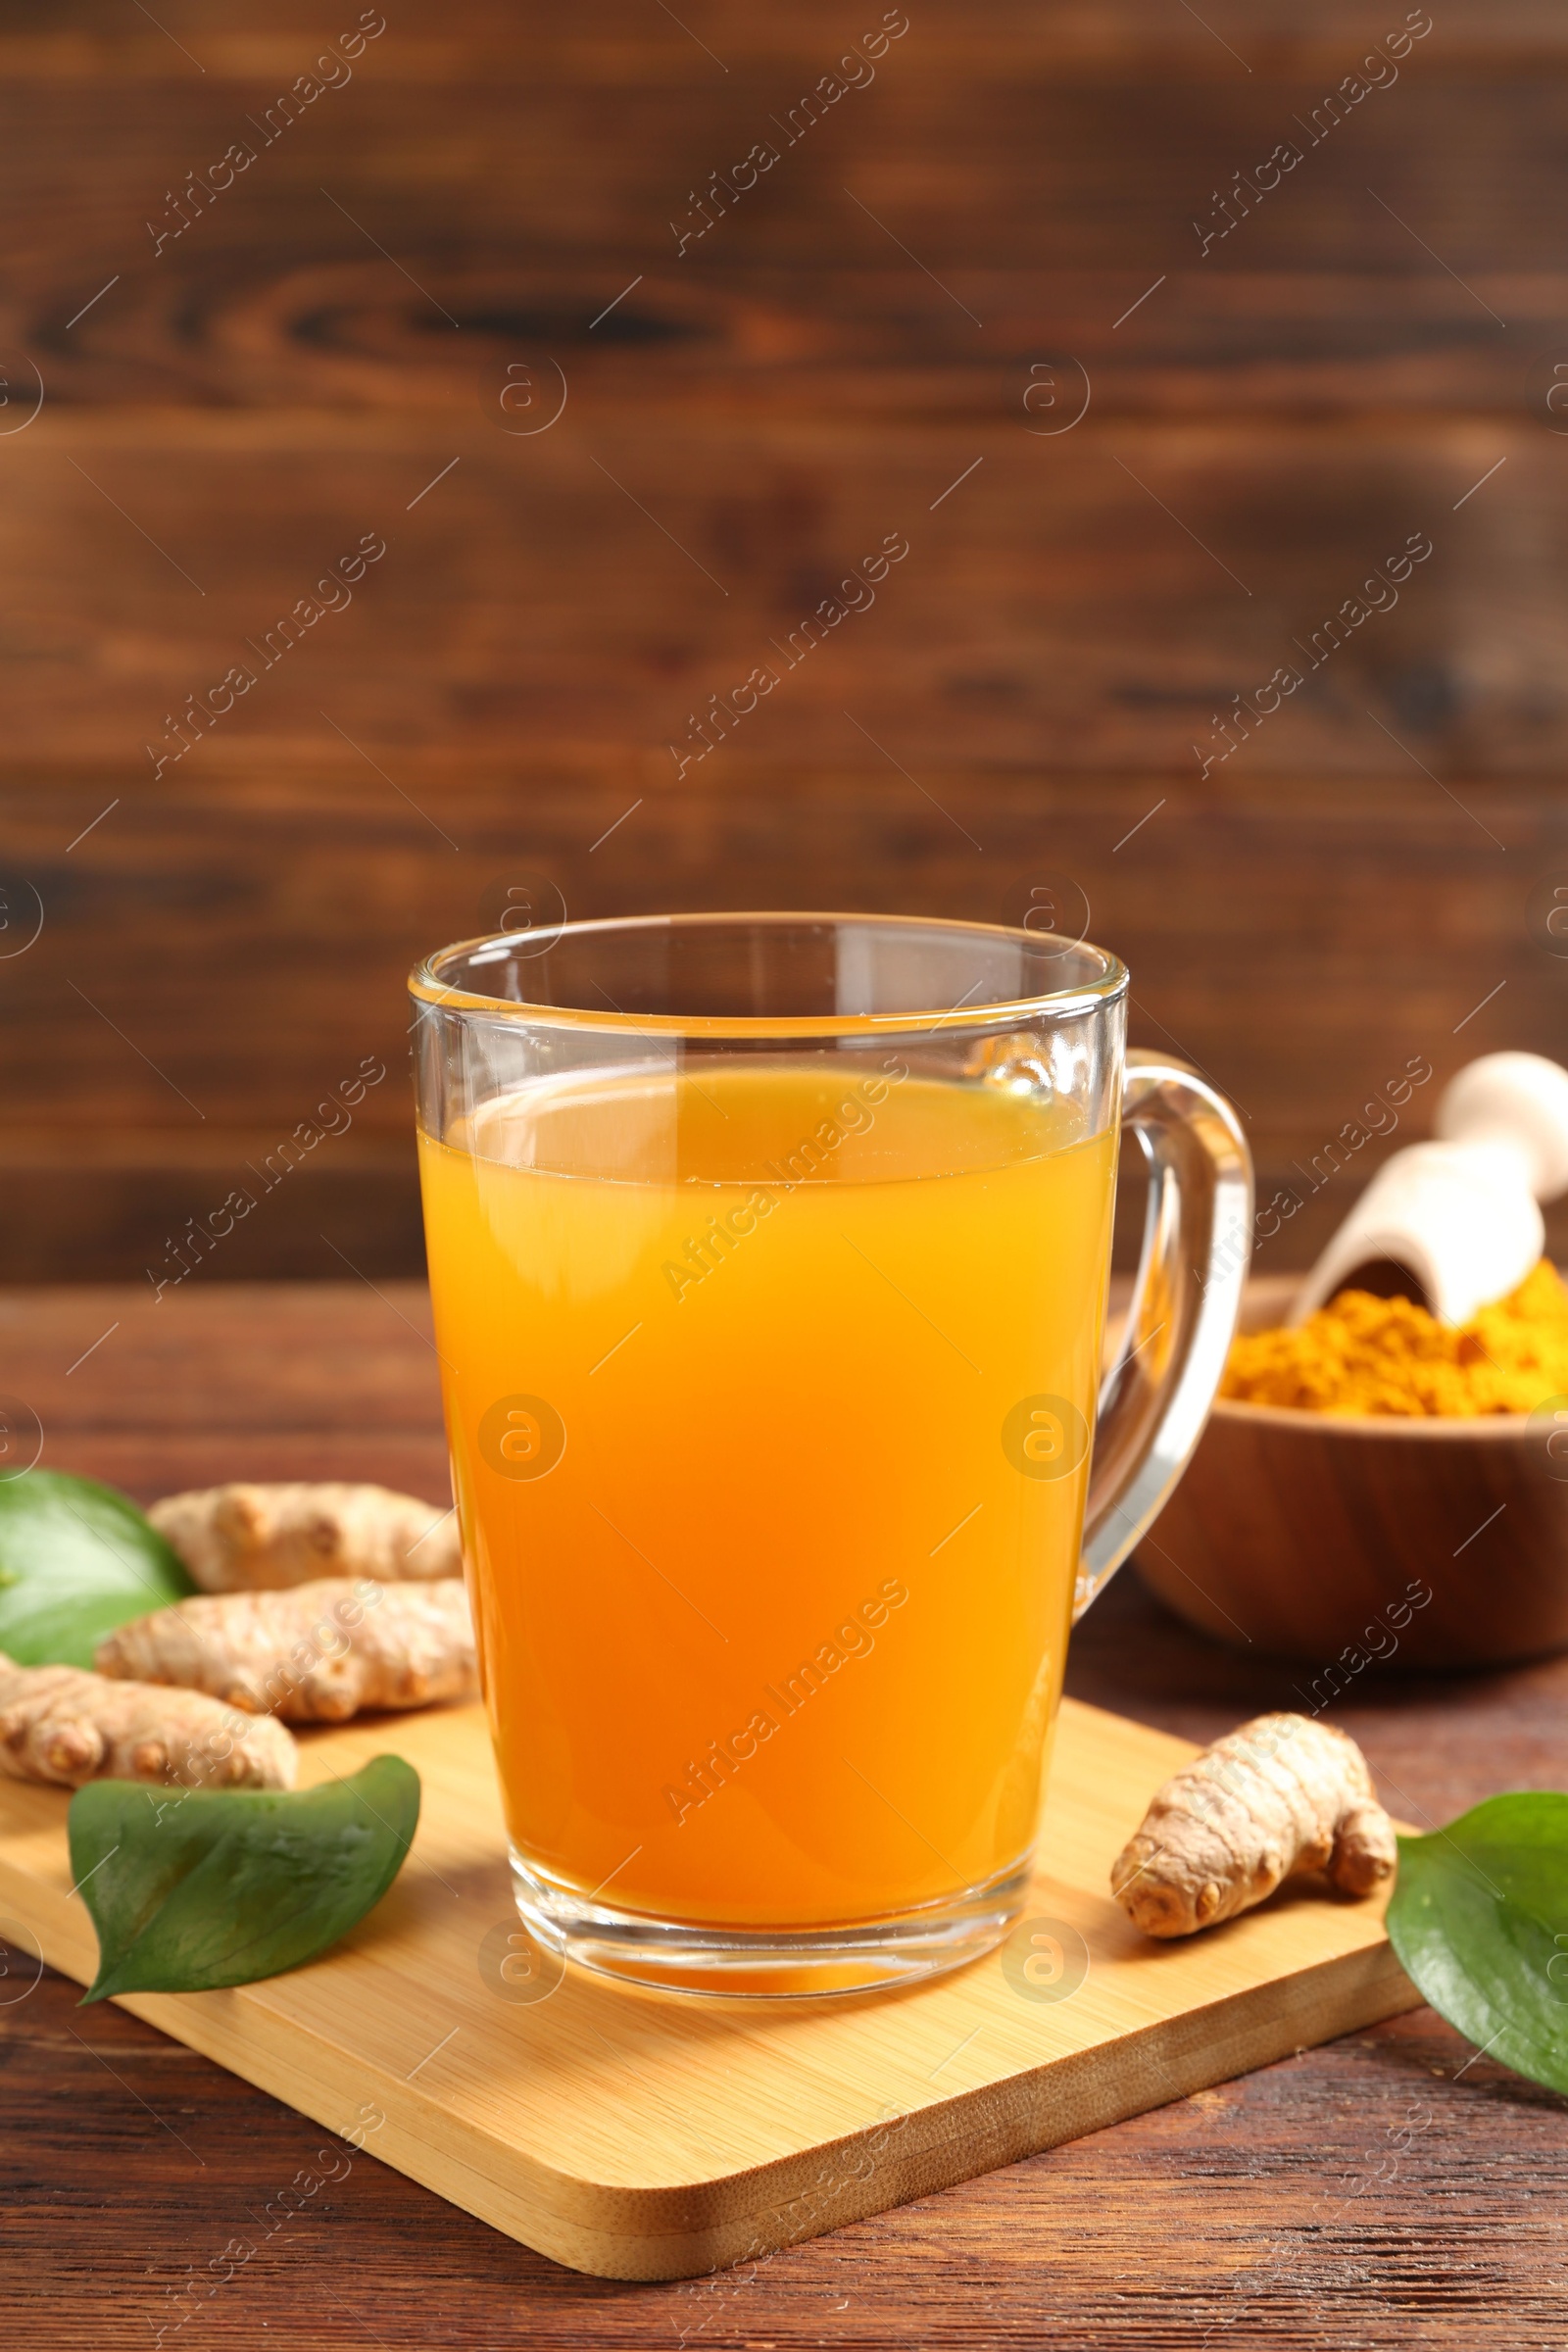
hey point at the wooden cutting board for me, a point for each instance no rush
(653, 2136)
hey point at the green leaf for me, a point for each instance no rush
(1480, 1922)
(190, 1890)
(76, 1559)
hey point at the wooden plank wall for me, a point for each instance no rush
(973, 305)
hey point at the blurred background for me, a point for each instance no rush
(420, 424)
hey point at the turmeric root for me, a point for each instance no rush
(316, 1654)
(246, 1539)
(1279, 1796)
(62, 1725)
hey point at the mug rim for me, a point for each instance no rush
(427, 986)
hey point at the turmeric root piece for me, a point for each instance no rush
(62, 1725)
(248, 1538)
(314, 1654)
(1281, 1796)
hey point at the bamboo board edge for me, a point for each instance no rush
(666, 2233)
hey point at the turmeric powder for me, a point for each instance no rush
(1361, 1354)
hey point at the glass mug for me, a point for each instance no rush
(769, 1258)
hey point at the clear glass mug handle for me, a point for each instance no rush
(1196, 1246)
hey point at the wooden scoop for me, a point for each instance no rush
(1456, 1222)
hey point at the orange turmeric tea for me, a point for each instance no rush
(771, 1390)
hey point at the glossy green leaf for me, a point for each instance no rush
(190, 1889)
(76, 1559)
(1480, 1922)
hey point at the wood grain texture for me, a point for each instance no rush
(1392, 2187)
(640, 2136)
(582, 594)
(1299, 946)
(228, 410)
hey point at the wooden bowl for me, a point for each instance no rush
(1346, 1540)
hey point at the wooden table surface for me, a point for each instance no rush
(1390, 2189)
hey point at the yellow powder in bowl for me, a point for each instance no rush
(1361, 1354)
